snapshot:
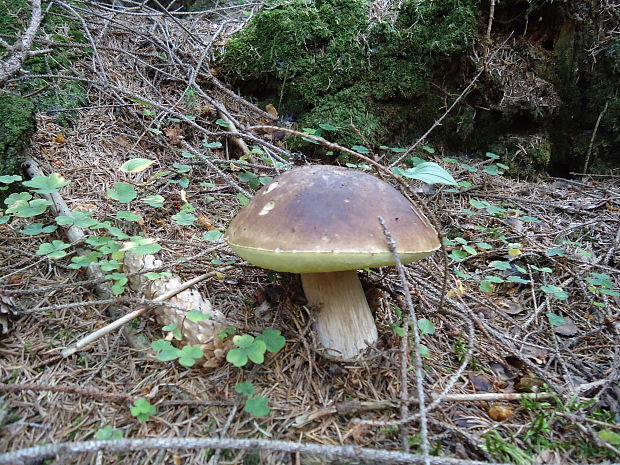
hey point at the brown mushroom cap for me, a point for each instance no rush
(324, 218)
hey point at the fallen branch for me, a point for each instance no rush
(27, 455)
(20, 50)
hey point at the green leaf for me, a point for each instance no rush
(237, 357)
(557, 251)
(46, 184)
(221, 122)
(78, 219)
(243, 340)
(500, 265)
(184, 219)
(494, 279)
(135, 165)
(142, 409)
(609, 292)
(181, 168)
(213, 236)
(484, 245)
(430, 173)
(37, 228)
(213, 145)
(122, 192)
(257, 406)
(142, 246)
(15, 197)
(426, 326)
(361, 149)
(471, 169)
(458, 255)
(246, 388)
(492, 155)
(428, 148)
(470, 250)
(249, 348)
(424, 352)
(152, 275)
(183, 182)
(486, 286)
(107, 433)
(196, 316)
(24, 209)
(493, 170)
(167, 351)
(189, 354)
(609, 436)
(128, 216)
(8, 179)
(53, 250)
(544, 269)
(555, 320)
(187, 155)
(398, 330)
(273, 339)
(250, 178)
(555, 291)
(82, 261)
(328, 127)
(256, 352)
(243, 200)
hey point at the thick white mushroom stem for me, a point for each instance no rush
(344, 324)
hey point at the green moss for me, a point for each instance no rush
(17, 124)
(50, 95)
(327, 59)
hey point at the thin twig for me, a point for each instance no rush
(82, 391)
(417, 341)
(598, 121)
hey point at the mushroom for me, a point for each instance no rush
(322, 222)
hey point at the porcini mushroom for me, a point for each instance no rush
(321, 222)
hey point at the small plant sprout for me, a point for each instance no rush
(108, 433)
(142, 410)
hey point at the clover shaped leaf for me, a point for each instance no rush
(248, 348)
(273, 339)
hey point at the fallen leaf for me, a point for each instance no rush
(529, 383)
(271, 110)
(499, 412)
(205, 223)
(481, 383)
(566, 329)
(59, 139)
(510, 307)
(174, 134)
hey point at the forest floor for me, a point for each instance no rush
(520, 364)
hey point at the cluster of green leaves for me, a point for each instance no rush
(253, 349)
(257, 406)
(142, 410)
